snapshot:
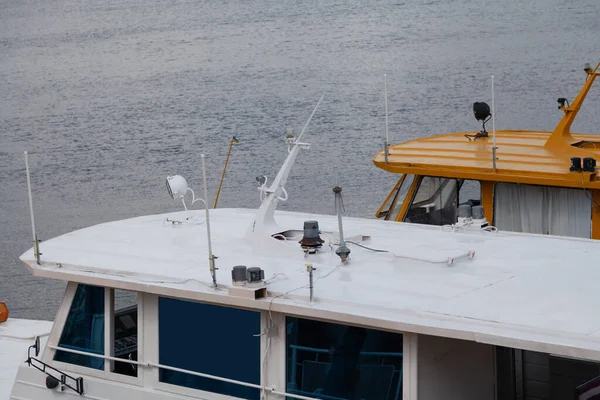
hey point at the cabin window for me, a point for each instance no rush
(332, 361)
(84, 328)
(391, 207)
(542, 209)
(125, 331)
(209, 339)
(436, 200)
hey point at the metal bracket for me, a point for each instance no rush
(42, 366)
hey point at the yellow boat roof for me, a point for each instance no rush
(521, 156)
(533, 157)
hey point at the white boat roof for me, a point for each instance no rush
(16, 335)
(531, 292)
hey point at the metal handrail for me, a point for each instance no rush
(186, 371)
(295, 349)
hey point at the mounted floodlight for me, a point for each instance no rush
(587, 67)
(177, 186)
(561, 103)
(481, 111)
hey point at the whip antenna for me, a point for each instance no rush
(36, 242)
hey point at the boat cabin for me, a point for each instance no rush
(415, 312)
(323, 307)
(526, 181)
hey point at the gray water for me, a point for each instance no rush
(110, 97)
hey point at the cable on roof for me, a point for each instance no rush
(368, 248)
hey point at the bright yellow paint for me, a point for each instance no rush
(528, 157)
(531, 157)
(410, 195)
(487, 199)
(596, 214)
(394, 192)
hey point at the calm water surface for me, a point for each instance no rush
(110, 97)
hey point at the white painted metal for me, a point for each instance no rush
(493, 128)
(104, 357)
(273, 350)
(504, 295)
(109, 336)
(149, 336)
(211, 256)
(59, 321)
(410, 364)
(16, 335)
(264, 221)
(36, 243)
(461, 301)
(387, 129)
(455, 369)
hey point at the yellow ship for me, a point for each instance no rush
(522, 181)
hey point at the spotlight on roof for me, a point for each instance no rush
(587, 67)
(481, 111)
(561, 102)
(177, 186)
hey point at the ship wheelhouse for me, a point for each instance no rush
(522, 181)
(526, 181)
(413, 313)
(203, 350)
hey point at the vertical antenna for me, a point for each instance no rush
(493, 128)
(310, 269)
(343, 251)
(211, 257)
(387, 131)
(36, 243)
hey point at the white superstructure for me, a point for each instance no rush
(415, 312)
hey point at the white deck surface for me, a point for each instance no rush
(526, 291)
(16, 335)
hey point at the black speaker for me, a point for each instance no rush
(575, 164)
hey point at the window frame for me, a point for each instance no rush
(392, 200)
(593, 206)
(165, 387)
(414, 190)
(59, 325)
(409, 377)
(273, 365)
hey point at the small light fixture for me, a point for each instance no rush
(177, 187)
(482, 113)
(587, 68)
(561, 103)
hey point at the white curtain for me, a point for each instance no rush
(542, 209)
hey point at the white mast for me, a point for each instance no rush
(211, 257)
(387, 130)
(36, 243)
(265, 217)
(493, 128)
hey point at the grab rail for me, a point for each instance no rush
(185, 371)
(296, 348)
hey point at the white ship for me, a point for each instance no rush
(266, 304)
